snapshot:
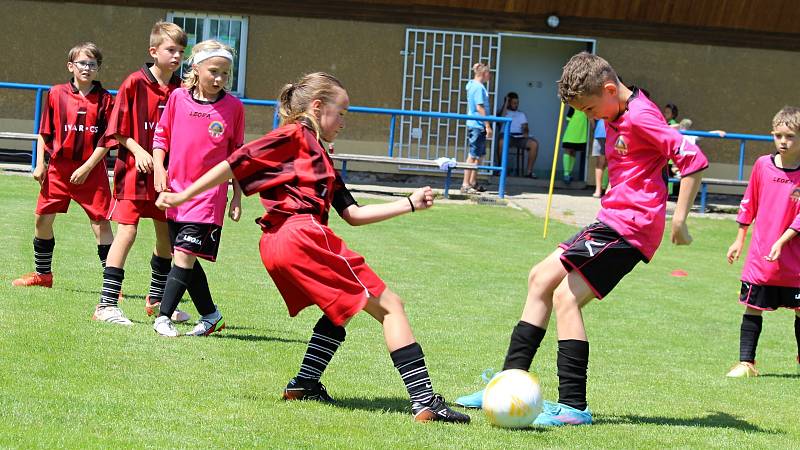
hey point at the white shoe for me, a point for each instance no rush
(208, 324)
(110, 314)
(165, 327)
(180, 316)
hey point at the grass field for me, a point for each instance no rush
(660, 345)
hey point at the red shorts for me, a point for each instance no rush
(312, 266)
(94, 195)
(128, 212)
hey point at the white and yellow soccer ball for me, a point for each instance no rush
(512, 399)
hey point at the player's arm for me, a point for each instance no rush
(735, 250)
(357, 215)
(690, 184)
(775, 251)
(144, 161)
(40, 170)
(159, 172)
(218, 174)
(235, 208)
(80, 174)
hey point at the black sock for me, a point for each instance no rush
(102, 253)
(112, 285)
(797, 335)
(410, 362)
(572, 362)
(177, 282)
(748, 338)
(199, 291)
(159, 270)
(43, 255)
(324, 342)
(525, 340)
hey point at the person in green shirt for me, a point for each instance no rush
(574, 140)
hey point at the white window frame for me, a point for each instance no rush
(241, 70)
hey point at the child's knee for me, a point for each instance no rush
(564, 300)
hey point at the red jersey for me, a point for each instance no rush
(138, 107)
(293, 174)
(73, 125)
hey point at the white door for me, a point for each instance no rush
(438, 65)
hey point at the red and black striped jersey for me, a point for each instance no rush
(137, 109)
(292, 173)
(73, 125)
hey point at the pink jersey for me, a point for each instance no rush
(638, 145)
(197, 136)
(772, 200)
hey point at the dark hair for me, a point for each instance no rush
(512, 95)
(673, 108)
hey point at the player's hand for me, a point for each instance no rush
(235, 208)
(734, 251)
(144, 162)
(422, 198)
(168, 200)
(160, 179)
(40, 173)
(774, 252)
(680, 233)
(79, 176)
(719, 133)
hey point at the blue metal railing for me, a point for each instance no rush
(393, 113)
(742, 138)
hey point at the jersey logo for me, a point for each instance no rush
(620, 146)
(589, 245)
(216, 129)
(193, 240)
(682, 150)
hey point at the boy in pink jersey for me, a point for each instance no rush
(629, 229)
(200, 127)
(771, 275)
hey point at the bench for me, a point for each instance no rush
(712, 181)
(345, 158)
(18, 136)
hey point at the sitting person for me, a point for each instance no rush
(518, 131)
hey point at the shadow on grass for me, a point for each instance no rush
(255, 338)
(712, 420)
(779, 375)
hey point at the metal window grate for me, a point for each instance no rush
(438, 65)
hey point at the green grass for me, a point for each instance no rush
(660, 345)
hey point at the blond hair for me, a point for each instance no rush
(295, 98)
(789, 116)
(480, 68)
(167, 30)
(584, 75)
(190, 78)
(90, 48)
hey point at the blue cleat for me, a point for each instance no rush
(556, 415)
(471, 401)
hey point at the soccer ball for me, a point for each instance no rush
(512, 399)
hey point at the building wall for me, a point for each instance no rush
(734, 89)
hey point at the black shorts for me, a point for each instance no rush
(198, 239)
(601, 256)
(769, 298)
(577, 146)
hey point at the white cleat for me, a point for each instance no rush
(165, 327)
(111, 314)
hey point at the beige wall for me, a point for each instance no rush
(735, 89)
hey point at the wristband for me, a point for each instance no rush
(411, 203)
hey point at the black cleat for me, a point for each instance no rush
(437, 410)
(306, 390)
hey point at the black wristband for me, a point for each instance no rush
(411, 203)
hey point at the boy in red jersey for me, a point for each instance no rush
(138, 107)
(629, 229)
(72, 132)
(771, 274)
